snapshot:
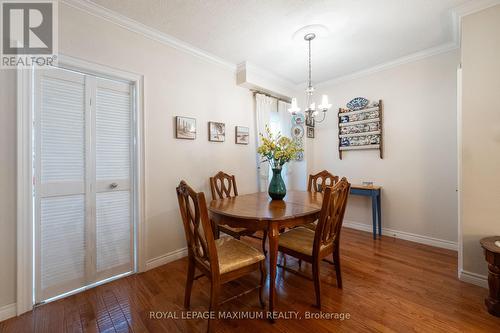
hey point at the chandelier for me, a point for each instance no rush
(312, 110)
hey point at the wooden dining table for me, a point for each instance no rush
(257, 211)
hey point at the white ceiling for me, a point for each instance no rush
(363, 33)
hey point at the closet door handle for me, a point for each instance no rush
(113, 185)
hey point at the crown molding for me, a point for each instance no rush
(444, 48)
(457, 14)
(148, 32)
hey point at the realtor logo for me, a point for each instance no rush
(28, 33)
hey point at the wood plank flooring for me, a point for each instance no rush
(389, 286)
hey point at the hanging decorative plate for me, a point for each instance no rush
(299, 156)
(298, 131)
(357, 103)
(298, 119)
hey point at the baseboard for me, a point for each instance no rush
(7, 311)
(166, 258)
(445, 244)
(474, 278)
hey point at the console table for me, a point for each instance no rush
(374, 193)
(492, 256)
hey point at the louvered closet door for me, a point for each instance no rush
(83, 181)
(60, 167)
(113, 197)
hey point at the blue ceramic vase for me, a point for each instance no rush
(277, 188)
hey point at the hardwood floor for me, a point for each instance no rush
(389, 286)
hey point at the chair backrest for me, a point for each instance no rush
(319, 181)
(223, 186)
(332, 214)
(197, 227)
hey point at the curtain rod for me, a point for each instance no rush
(269, 95)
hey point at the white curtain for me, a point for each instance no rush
(274, 113)
(264, 105)
(285, 127)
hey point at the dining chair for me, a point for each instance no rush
(220, 260)
(313, 246)
(321, 180)
(223, 186)
(318, 183)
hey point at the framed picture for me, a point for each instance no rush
(310, 122)
(185, 128)
(310, 132)
(242, 135)
(216, 131)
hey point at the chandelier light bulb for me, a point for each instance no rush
(294, 108)
(324, 103)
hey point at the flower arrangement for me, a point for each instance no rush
(277, 149)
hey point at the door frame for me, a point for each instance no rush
(25, 188)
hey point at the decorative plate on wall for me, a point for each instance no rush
(358, 103)
(298, 131)
(298, 119)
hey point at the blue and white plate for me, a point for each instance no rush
(357, 103)
(298, 119)
(298, 131)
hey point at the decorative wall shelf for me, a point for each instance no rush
(361, 129)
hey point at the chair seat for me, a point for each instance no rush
(299, 240)
(234, 254)
(311, 226)
(233, 229)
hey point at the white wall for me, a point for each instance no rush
(480, 134)
(419, 170)
(175, 83)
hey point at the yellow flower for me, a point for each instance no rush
(277, 150)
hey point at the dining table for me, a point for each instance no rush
(257, 212)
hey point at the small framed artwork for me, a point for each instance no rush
(185, 128)
(310, 121)
(242, 135)
(310, 132)
(216, 131)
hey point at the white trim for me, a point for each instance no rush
(166, 258)
(459, 171)
(445, 244)
(7, 311)
(24, 192)
(473, 278)
(148, 32)
(444, 48)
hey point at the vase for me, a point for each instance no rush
(277, 188)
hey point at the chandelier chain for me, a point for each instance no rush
(310, 83)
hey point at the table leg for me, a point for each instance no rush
(379, 215)
(374, 216)
(273, 235)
